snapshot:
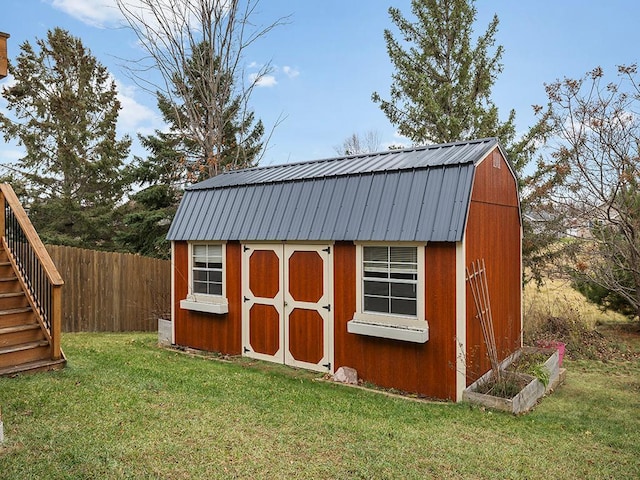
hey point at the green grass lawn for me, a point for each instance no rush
(124, 408)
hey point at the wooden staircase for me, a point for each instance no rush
(28, 342)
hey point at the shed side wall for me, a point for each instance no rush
(494, 234)
(217, 333)
(427, 369)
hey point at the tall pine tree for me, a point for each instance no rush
(148, 214)
(441, 90)
(65, 110)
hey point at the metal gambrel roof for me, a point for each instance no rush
(419, 194)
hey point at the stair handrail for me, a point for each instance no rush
(34, 263)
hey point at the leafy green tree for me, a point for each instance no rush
(65, 110)
(441, 89)
(148, 214)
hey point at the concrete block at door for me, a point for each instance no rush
(346, 375)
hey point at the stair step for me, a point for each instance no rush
(9, 284)
(23, 346)
(11, 300)
(11, 294)
(32, 367)
(27, 352)
(19, 328)
(12, 311)
(20, 334)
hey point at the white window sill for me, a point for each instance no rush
(406, 333)
(219, 305)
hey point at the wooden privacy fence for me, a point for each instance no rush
(111, 292)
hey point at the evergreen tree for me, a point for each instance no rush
(441, 90)
(149, 212)
(65, 110)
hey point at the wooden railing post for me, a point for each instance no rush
(2, 208)
(56, 321)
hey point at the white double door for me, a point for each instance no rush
(287, 311)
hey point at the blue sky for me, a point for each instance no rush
(331, 57)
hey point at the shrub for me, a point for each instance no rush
(558, 312)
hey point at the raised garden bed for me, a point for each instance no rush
(518, 391)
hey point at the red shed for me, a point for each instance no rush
(355, 261)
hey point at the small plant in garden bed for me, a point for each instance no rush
(532, 363)
(507, 386)
(528, 364)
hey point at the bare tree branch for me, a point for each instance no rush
(199, 48)
(597, 146)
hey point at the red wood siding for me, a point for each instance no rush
(493, 233)
(494, 185)
(267, 283)
(306, 337)
(205, 331)
(306, 276)
(429, 368)
(264, 329)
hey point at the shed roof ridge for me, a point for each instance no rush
(268, 178)
(335, 175)
(338, 158)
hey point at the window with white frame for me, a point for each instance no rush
(206, 279)
(390, 280)
(390, 292)
(206, 265)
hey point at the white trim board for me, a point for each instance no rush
(461, 321)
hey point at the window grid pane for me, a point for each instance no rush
(207, 269)
(390, 279)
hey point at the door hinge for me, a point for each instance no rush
(327, 365)
(246, 299)
(328, 249)
(245, 248)
(246, 350)
(327, 307)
